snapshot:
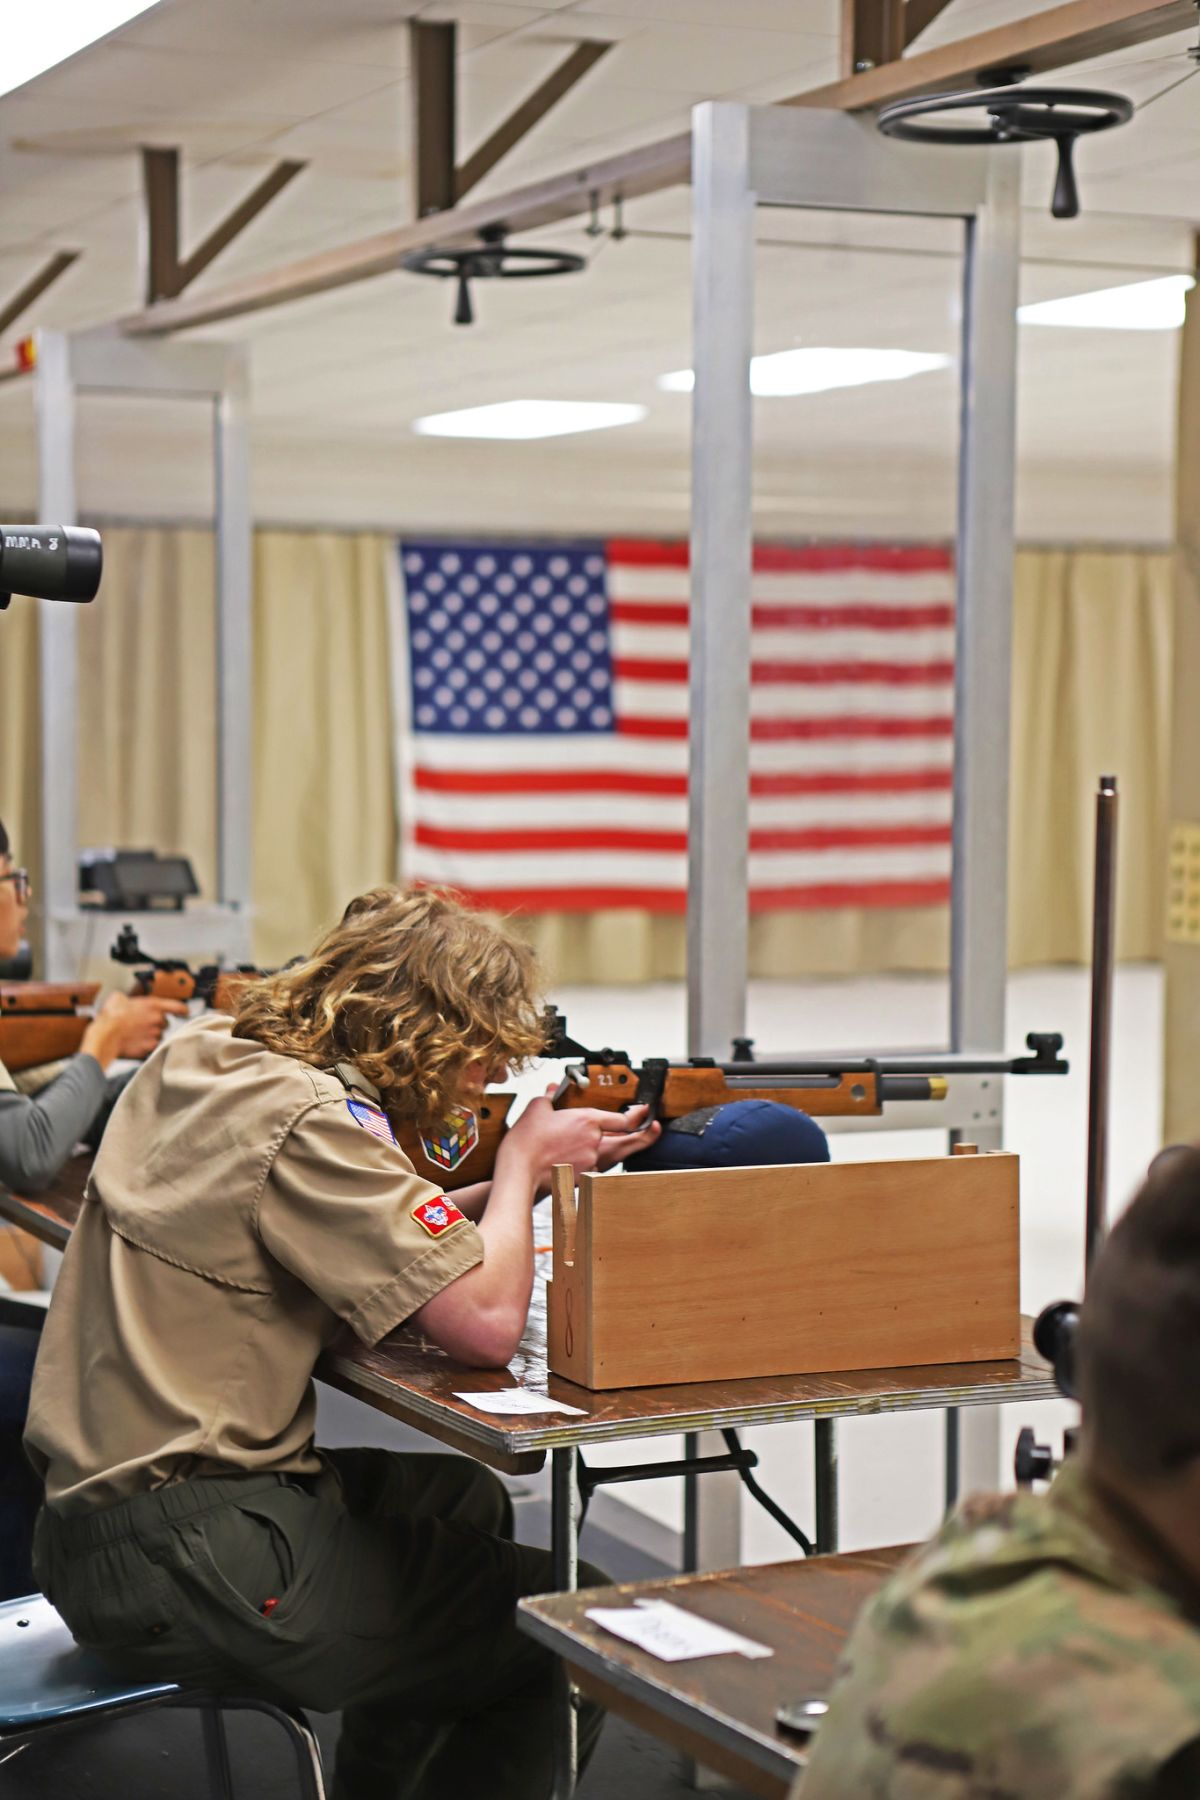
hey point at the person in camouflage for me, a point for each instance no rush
(1048, 1647)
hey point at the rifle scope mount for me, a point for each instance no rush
(1015, 115)
(493, 259)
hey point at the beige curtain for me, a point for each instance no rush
(324, 808)
(1091, 696)
(147, 698)
(1092, 637)
(323, 793)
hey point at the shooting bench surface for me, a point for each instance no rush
(411, 1380)
(416, 1383)
(721, 1709)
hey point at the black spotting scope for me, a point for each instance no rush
(49, 562)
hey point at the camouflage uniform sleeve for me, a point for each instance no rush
(1179, 1779)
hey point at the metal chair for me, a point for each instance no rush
(48, 1684)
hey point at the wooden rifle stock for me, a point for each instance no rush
(687, 1088)
(41, 1021)
(179, 983)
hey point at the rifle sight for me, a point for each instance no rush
(49, 562)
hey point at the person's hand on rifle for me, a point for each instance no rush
(128, 1025)
(583, 1136)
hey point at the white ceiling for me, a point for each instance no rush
(338, 379)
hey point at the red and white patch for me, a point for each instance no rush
(436, 1216)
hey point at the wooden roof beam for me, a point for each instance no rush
(36, 286)
(1074, 32)
(167, 273)
(440, 181)
(1071, 33)
(647, 170)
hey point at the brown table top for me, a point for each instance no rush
(414, 1381)
(722, 1707)
(50, 1214)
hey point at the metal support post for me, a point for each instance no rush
(235, 654)
(564, 1556)
(826, 1469)
(983, 676)
(719, 710)
(59, 662)
(1104, 910)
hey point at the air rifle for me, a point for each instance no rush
(464, 1149)
(167, 978)
(825, 1087)
(42, 1021)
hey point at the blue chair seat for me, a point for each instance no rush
(48, 1683)
(45, 1676)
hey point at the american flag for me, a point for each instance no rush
(543, 729)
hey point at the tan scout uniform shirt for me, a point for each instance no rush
(238, 1213)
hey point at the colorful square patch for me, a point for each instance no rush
(372, 1120)
(436, 1216)
(453, 1141)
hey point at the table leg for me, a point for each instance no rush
(826, 1471)
(953, 1458)
(564, 1551)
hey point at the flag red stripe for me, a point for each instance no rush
(879, 674)
(780, 615)
(907, 559)
(673, 900)
(628, 781)
(649, 612)
(769, 730)
(814, 837)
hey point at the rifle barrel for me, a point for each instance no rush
(834, 1067)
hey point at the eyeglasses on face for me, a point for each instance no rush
(22, 885)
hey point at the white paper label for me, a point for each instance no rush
(517, 1400)
(672, 1634)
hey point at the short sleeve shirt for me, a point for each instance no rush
(242, 1208)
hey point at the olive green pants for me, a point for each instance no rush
(385, 1588)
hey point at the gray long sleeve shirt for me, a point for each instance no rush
(38, 1132)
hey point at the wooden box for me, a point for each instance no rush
(714, 1274)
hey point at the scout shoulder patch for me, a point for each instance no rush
(372, 1120)
(436, 1216)
(453, 1141)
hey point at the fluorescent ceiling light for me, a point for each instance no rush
(813, 370)
(36, 37)
(529, 419)
(1137, 306)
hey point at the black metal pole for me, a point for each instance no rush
(1104, 908)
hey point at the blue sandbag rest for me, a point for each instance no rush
(740, 1134)
(47, 1683)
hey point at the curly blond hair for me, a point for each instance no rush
(410, 987)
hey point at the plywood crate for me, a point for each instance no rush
(714, 1274)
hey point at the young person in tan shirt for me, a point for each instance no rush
(248, 1203)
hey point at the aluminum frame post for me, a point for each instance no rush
(104, 362)
(983, 684)
(58, 657)
(723, 205)
(564, 1560)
